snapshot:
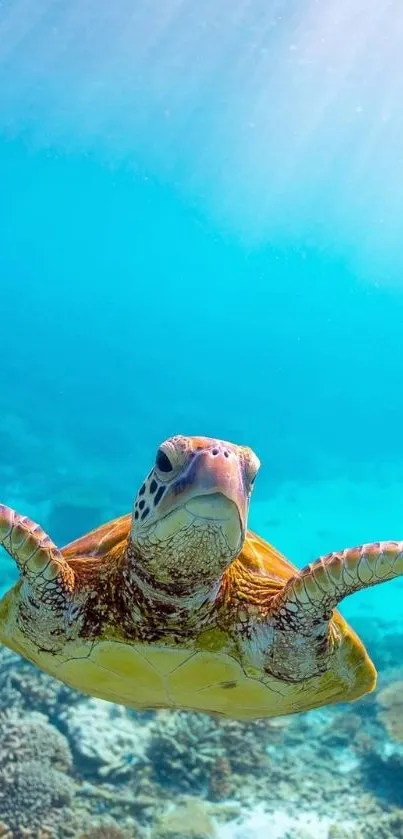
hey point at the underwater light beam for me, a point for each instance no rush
(284, 123)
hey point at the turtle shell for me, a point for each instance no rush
(204, 675)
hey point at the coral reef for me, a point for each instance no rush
(109, 830)
(34, 787)
(188, 751)
(32, 794)
(343, 729)
(390, 704)
(245, 744)
(32, 738)
(183, 748)
(187, 820)
(220, 781)
(25, 687)
(107, 741)
(26, 833)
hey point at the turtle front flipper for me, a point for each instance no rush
(40, 602)
(303, 638)
(318, 588)
(38, 559)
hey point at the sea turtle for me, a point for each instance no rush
(179, 606)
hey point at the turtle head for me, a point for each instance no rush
(190, 515)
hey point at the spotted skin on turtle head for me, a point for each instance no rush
(190, 514)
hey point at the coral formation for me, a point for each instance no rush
(32, 738)
(390, 703)
(245, 744)
(26, 833)
(183, 748)
(220, 781)
(343, 728)
(107, 741)
(32, 794)
(189, 751)
(187, 820)
(109, 830)
(35, 791)
(24, 686)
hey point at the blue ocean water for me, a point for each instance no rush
(200, 233)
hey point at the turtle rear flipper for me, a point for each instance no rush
(304, 637)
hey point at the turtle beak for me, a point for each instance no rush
(219, 482)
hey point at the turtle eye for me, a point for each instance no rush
(163, 462)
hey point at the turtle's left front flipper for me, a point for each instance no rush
(320, 586)
(301, 612)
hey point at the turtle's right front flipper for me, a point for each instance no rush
(38, 559)
(47, 581)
